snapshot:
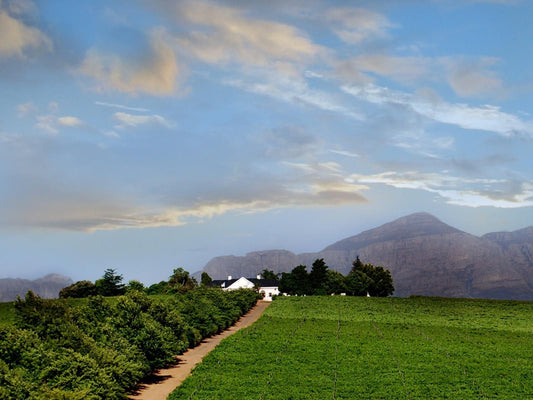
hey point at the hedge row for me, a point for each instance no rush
(105, 347)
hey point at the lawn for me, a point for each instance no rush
(374, 348)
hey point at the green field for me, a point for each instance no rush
(374, 348)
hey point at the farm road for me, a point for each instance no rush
(166, 380)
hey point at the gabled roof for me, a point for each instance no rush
(224, 283)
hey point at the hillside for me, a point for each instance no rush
(47, 287)
(424, 255)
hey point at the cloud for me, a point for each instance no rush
(225, 35)
(17, 38)
(291, 90)
(121, 107)
(486, 118)
(402, 69)
(26, 109)
(470, 78)
(155, 74)
(52, 123)
(41, 193)
(344, 153)
(356, 25)
(460, 191)
(70, 121)
(126, 120)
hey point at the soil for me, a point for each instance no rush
(164, 381)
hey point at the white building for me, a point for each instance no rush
(267, 287)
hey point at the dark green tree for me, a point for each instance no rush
(269, 274)
(205, 279)
(110, 284)
(296, 282)
(335, 282)
(366, 279)
(78, 290)
(317, 276)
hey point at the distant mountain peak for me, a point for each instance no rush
(410, 226)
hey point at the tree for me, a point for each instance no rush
(335, 282)
(381, 285)
(135, 285)
(317, 277)
(181, 281)
(110, 284)
(78, 290)
(296, 282)
(366, 279)
(269, 274)
(205, 279)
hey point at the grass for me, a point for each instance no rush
(393, 348)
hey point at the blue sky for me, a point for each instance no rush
(150, 135)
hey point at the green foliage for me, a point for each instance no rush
(110, 284)
(158, 288)
(363, 279)
(100, 348)
(269, 274)
(181, 281)
(205, 279)
(78, 290)
(341, 347)
(317, 277)
(296, 282)
(7, 313)
(135, 285)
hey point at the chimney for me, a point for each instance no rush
(229, 277)
(259, 276)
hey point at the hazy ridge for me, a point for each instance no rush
(424, 255)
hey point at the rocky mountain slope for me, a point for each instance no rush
(424, 255)
(47, 287)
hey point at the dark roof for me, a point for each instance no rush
(255, 281)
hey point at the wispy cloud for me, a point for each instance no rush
(294, 91)
(460, 191)
(126, 120)
(225, 35)
(121, 107)
(356, 25)
(155, 74)
(344, 153)
(486, 118)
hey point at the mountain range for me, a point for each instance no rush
(47, 287)
(424, 255)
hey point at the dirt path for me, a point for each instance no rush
(166, 380)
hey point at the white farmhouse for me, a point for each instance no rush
(267, 287)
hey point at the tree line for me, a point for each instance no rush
(111, 284)
(362, 280)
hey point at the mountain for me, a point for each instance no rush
(425, 257)
(47, 287)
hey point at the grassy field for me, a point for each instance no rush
(374, 348)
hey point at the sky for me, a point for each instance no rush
(150, 135)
